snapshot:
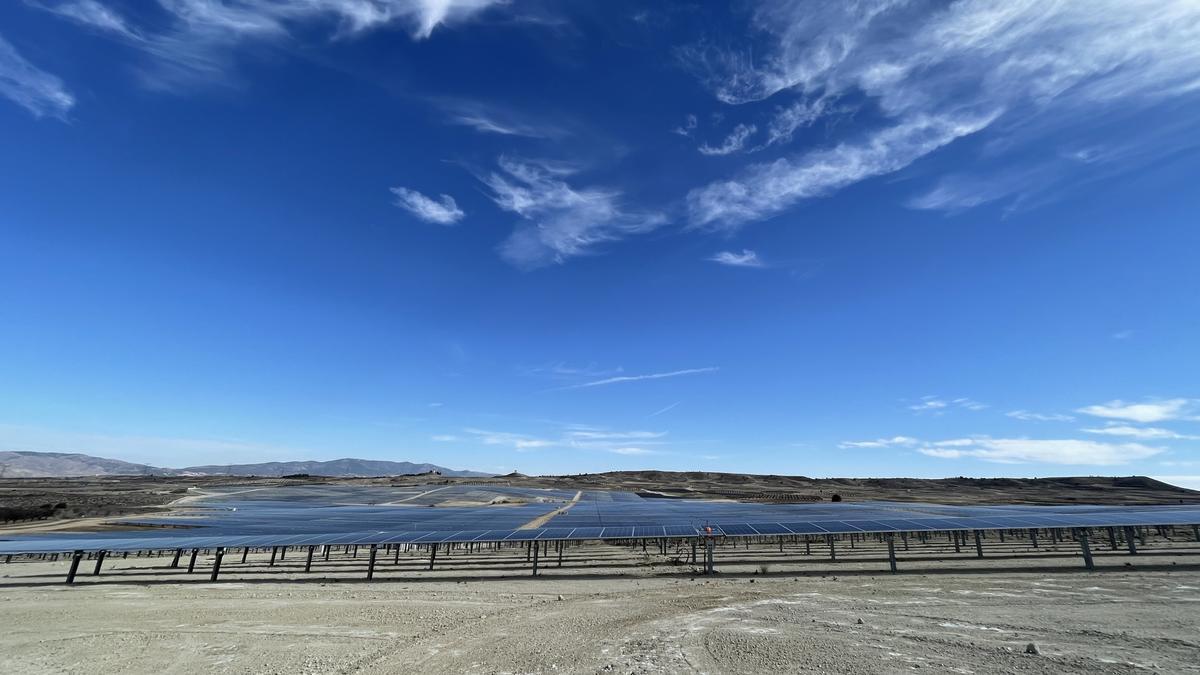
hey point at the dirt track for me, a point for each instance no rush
(633, 614)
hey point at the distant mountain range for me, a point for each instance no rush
(66, 465)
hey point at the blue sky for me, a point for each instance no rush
(833, 239)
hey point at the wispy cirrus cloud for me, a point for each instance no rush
(665, 409)
(582, 438)
(939, 405)
(492, 119)
(518, 442)
(746, 258)
(1153, 411)
(1143, 433)
(734, 142)
(764, 190)
(690, 122)
(39, 92)
(561, 221)
(1048, 451)
(90, 13)
(632, 451)
(442, 211)
(1028, 416)
(561, 370)
(895, 441)
(198, 37)
(1024, 71)
(638, 378)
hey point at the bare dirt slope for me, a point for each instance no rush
(942, 617)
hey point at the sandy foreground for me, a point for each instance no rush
(609, 609)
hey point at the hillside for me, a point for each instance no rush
(342, 468)
(67, 465)
(64, 464)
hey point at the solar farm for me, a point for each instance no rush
(371, 529)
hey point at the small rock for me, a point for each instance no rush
(1032, 648)
(860, 622)
(560, 597)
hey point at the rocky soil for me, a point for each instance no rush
(611, 610)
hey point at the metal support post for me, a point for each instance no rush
(75, 558)
(1129, 541)
(1086, 548)
(217, 563)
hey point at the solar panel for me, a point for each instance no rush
(259, 523)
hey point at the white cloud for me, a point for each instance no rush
(764, 190)
(487, 125)
(600, 435)
(1157, 411)
(91, 13)
(928, 403)
(443, 211)
(746, 258)
(1123, 334)
(650, 376)
(665, 409)
(1023, 450)
(969, 404)
(938, 405)
(1027, 70)
(903, 441)
(1144, 433)
(39, 92)
(734, 142)
(689, 125)
(491, 119)
(582, 438)
(1038, 417)
(789, 119)
(444, 438)
(632, 451)
(562, 221)
(561, 370)
(198, 36)
(518, 442)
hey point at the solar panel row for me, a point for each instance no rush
(122, 542)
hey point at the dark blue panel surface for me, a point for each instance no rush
(364, 515)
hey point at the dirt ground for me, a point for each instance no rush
(614, 609)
